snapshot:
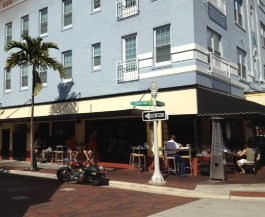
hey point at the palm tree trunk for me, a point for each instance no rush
(32, 149)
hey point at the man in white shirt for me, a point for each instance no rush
(172, 145)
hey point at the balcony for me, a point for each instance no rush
(127, 8)
(219, 67)
(127, 71)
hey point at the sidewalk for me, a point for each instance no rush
(237, 186)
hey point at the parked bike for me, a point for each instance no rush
(77, 172)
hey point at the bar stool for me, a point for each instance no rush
(171, 164)
(59, 154)
(187, 157)
(137, 159)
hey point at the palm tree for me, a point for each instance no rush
(35, 53)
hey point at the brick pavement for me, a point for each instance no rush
(35, 197)
(189, 183)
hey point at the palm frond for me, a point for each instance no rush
(33, 52)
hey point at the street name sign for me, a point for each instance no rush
(147, 103)
(154, 115)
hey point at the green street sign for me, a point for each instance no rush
(142, 103)
(147, 103)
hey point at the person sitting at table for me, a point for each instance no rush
(91, 150)
(172, 145)
(71, 144)
(249, 153)
(39, 145)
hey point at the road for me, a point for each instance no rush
(31, 196)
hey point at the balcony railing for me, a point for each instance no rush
(219, 67)
(127, 71)
(127, 8)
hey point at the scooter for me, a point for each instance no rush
(80, 173)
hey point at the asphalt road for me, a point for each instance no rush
(32, 196)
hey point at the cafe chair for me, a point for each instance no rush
(186, 156)
(137, 159)
(59, 154)
(171, 162)
(251, 167)
(230, 163)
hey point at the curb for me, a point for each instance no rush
(164, 190)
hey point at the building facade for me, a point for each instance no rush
(204, 55)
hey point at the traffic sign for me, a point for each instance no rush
(147, 103)
(142, 103)
(154, 115)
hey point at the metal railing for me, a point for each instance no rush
(127, 70)
(127, 8)
(219, 66)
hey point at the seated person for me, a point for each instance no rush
(249, 153)
(48, 150)
(39, 146)
(71, 148)
(91, 150)
(172, 145)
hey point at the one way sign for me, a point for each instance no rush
(154, 115)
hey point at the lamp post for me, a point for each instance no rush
(157, 178)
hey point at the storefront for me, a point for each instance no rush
(119, 126)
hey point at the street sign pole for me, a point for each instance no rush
(157, 178)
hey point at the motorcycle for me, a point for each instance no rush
(78, 172)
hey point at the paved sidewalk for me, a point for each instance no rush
(236, 187)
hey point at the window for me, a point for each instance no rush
(43, 75)
(24, 77)
(162, 44)
(96, 56)
(25, 25)
(241, 62)
(67, 63)
(67, 13)
(8, 32)
(219, 4)
(238, 12)
(129, 54)
(96, 5)
(7, 84)
(213, 42)
(262, 32)
(43, 21)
